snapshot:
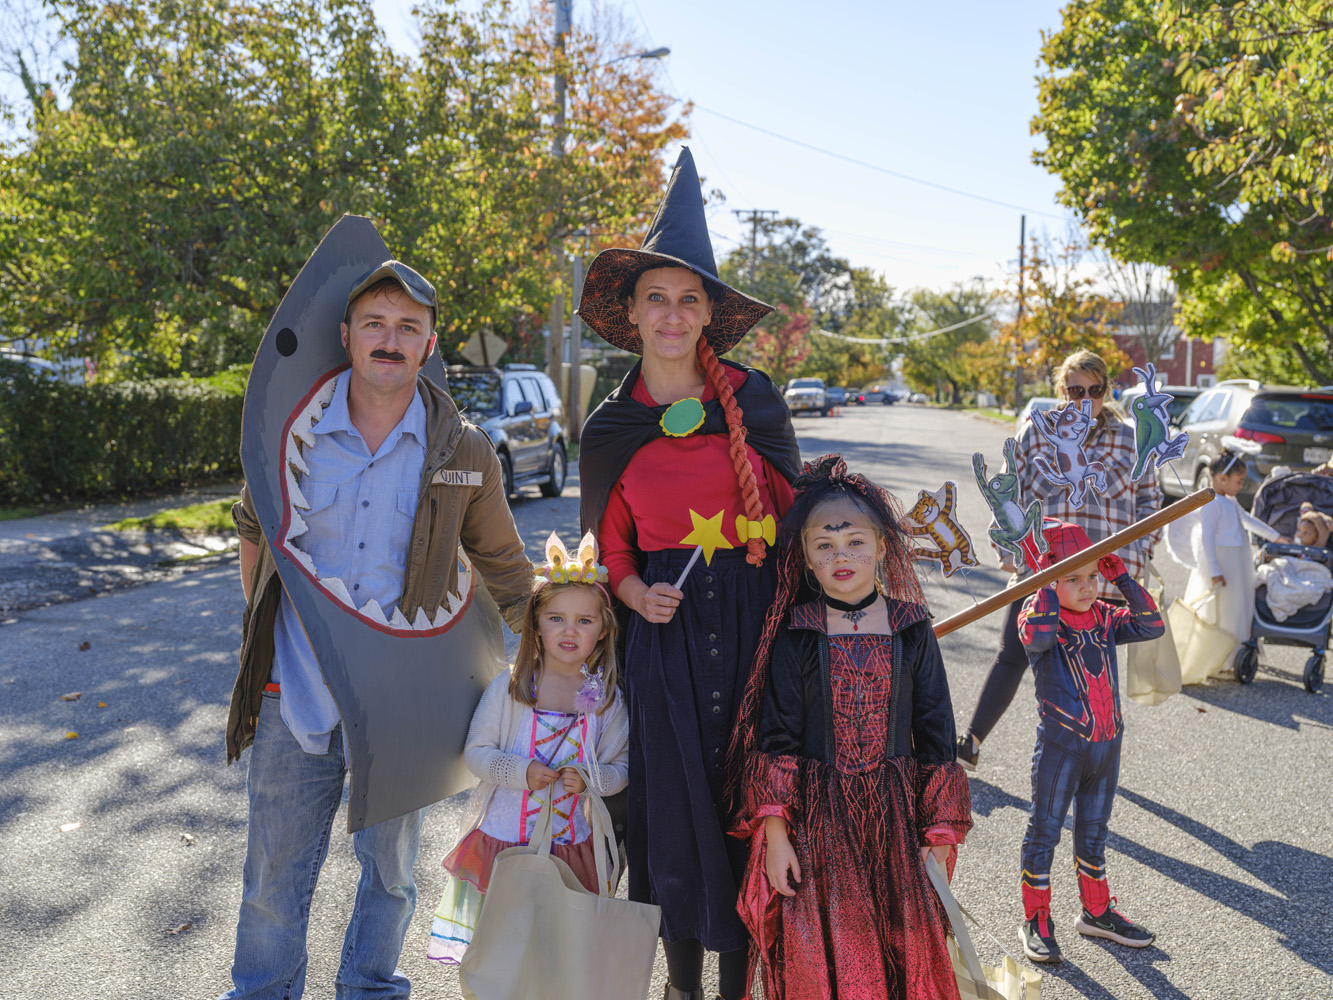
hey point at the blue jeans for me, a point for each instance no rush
(1066, 770)
(293, 798)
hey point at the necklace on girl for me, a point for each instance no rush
(853, 612)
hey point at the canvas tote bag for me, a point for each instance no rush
(1152, 669)
(541, 934)
(1205, 647)
(1007, 981)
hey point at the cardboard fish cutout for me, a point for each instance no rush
(1065, 430)
(932, 518)
(1152, 426)
(405, 690)
(1018, 529)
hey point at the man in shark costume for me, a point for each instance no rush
(370, 508)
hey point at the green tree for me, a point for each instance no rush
(1195, 136)
(218, 140)
(944, 322)
(873, 312)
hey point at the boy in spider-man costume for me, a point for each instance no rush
(1071, 640)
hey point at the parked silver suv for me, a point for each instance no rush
(519, 408)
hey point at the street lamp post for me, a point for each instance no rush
(555, 345)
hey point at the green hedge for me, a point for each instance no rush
(63, 442)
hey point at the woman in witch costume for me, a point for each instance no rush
(690, 452)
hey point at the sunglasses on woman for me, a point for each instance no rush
(1093, 391)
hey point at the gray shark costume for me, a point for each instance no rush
(405, 690)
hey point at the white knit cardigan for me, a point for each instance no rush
(495, 726)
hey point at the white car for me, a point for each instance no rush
(807, 395)
(1035, 403)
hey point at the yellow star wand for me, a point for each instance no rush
(707, 538)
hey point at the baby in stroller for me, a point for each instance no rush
(1293, 603)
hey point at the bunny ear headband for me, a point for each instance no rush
(561, 567)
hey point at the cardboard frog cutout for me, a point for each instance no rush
(405, 690)
(1018, 529)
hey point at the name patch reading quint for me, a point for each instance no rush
(456, 477)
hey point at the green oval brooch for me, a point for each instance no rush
(682, 418)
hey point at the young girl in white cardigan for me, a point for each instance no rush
(557, 707)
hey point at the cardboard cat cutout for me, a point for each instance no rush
(405, 690)
(1065, 430)
(932, 518)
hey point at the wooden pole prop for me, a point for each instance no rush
(1032, 584)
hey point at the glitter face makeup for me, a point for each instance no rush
(843, 547)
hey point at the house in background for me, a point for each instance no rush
(1182, 360)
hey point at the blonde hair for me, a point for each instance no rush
(1091, 364)
(528, 662)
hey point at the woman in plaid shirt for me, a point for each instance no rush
(1082, 375)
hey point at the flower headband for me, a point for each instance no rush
(561, 567)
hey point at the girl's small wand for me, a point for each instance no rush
(1033, 584)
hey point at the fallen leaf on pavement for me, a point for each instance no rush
(101, 704)
(72, 696)
(67, 827)
(1198, 709)
(187, 839)
(71, 735)
(85, 645)
(182, 928)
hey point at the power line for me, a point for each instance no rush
(885, 341)
(876, 167)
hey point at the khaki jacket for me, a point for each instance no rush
(478, 516)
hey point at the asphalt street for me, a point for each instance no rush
(121, 847)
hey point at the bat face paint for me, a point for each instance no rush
(405, 689)
(843, 547)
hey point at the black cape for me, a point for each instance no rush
(622, 425)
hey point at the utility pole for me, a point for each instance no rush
(755, 215)
(1022, 248)
(555, 345)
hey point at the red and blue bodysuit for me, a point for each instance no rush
(1077, 759)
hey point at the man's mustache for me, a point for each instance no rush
(388, 355)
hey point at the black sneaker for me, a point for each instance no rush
(1038, 937)
(1114, 926)
(968, 752)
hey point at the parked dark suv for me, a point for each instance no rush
(519, 408)
(1293, 427)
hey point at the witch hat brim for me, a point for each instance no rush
(677, 237)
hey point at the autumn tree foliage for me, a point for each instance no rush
(154, 217)
(781, 343)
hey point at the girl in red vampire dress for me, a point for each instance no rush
(844, 759)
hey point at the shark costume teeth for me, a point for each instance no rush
(301, 437)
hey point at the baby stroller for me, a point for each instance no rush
(1278, 503)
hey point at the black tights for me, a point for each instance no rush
(685, 968)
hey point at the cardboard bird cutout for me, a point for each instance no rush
(405, 690)
(932, 518)
(1152, 426)
(1065, 430)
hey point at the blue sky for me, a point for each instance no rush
(943, 92)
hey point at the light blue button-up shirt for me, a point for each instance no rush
(362, 507)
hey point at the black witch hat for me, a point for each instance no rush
(678, 237)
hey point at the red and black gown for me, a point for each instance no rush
(856, 753)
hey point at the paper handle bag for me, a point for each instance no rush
(541, 934)
(975, 980)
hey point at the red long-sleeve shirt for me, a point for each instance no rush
(649, 508)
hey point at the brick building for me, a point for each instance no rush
(1184, 361)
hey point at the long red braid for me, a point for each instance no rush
(740, 458)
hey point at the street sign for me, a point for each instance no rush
(483, 354)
